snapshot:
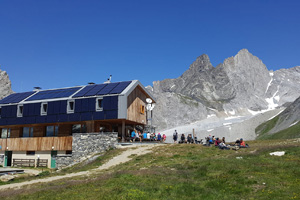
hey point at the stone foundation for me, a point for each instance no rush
(2, 159)
(85, 146)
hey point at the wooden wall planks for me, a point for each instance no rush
(37, 143)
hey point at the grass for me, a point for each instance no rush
(46, 172)
(187, 172)
(265, 127)
(289, 133)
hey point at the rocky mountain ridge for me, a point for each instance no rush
(5, 85)
(240, 86)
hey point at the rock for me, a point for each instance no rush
(277, 153)
(6, 178)
(5, 85)
(240, 86)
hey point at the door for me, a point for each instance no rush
(53, 159)
(8, 156)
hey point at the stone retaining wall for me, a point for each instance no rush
(2, 159)
(85, 146)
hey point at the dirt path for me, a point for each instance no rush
(122, 158)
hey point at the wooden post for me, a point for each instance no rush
(123, 131)
(90, 126)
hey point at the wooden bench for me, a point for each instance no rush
(42, 163)
(24, 162)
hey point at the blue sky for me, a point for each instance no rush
(61, 43)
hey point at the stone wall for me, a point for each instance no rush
(2, 159)
(85, 146)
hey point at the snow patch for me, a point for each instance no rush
(278, 153)
(232, 112)
(272, 105)
(209, 116)
(212, 109)
(294, 123)
(224, 124)
(269, 84)
(210, 130)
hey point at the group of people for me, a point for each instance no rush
(137, 135)
(239, 143)
(189, 139)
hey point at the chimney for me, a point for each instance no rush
(36, 88)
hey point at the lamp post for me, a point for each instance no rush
(150, 107)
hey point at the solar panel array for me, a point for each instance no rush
(53, 94)
(16, 97)
(90, 90)
(102, 89)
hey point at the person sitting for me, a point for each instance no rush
(153, 136)
(217, 142)
(148, 136)
(182, 138)
(144, 136)
(189, 139)
(223, 146)
(158, 137)
(164, 137)
(223, 140)
(138, 136)
(237, 142)
(132, 139)
(210, 139)
(243, 144)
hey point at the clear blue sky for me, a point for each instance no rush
(61, 43)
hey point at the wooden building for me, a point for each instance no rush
(40, 123)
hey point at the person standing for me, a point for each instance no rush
(175, 136)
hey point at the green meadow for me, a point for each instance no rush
(186, 171)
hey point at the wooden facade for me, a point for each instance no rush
(37, 144)
(136, 104)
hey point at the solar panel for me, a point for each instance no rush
(107, 89)
(120, 87)
(82, 92)
(96, 89)
(52, 94)
(16, 97)
(102, 89)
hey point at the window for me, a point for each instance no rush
(99, 104)
(78, 128)
(44, 108)
(69, 152)
(71, 106)
(30, 153)
(5, 133)
(20, 111)
(51, 131)
(27, 131)
(142, 109)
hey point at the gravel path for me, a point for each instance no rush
(122, 158)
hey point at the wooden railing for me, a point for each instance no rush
(36, 144)
(24, 162)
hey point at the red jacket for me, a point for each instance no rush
(242, 143)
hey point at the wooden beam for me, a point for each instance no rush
(123, 131)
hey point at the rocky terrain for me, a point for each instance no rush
(240, 86)
(5, 85)
(287, 122)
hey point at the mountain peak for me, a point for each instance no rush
(202, 62)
